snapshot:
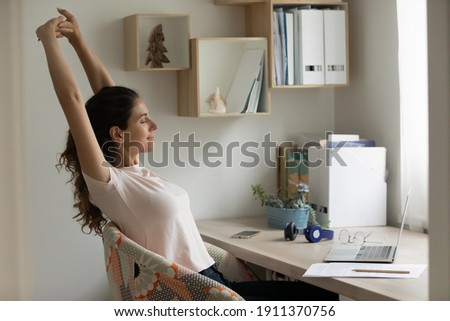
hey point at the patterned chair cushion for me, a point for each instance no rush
(231, 267)
(135, 273)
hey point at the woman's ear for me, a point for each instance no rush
(116, 134)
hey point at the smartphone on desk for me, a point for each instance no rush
(245, 234)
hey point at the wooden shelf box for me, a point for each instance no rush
(259, 23)
(137, 29)
(215, 63)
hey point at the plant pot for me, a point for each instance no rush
(279, 217)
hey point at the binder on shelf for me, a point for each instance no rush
(335, 47)
(253, 98)
(283, 52)
(312, 47)
(247, 72)
(255, 93)
(251, 106)
(296, 33)
(277, 53)
(289, 19)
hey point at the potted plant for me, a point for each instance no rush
(282, 210)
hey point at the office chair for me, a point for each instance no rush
(135, 273)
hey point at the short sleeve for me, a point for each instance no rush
(98, 189)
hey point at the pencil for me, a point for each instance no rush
(381, 271)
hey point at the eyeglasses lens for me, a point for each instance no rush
(359, 238)
(344, 236)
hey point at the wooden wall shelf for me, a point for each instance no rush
(215, 63)
(137, 29)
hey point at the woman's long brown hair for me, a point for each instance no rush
(111, 106)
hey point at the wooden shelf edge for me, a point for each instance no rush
(230, 39)
(231, 115)
(225, 115)
(308, 86)
(238, 2)
(277, 2)
(157, 69)
(300, 2)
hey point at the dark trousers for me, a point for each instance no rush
(273, 290)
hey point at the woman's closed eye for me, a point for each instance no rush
(145, 120)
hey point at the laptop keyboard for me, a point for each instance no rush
(374, 252)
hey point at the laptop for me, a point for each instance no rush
(367, 253)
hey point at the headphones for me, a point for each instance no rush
(313, 233)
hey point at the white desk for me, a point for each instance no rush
(269, 250)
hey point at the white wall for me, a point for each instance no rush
(68, 265)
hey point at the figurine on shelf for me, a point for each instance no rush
(156, 49)
(217, 102)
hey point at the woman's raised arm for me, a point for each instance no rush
(89, 153)
(96, 72)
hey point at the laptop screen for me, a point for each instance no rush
(405, 210)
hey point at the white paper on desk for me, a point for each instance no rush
(345, 270)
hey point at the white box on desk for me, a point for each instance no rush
(348, 188)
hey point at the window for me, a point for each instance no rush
(413, 76)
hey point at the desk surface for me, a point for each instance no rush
(269, 250)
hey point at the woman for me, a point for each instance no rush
(105, 139)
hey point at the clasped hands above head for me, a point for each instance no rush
(62, 26)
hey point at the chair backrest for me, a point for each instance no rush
(135, 273)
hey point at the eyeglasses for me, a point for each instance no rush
(358, 238)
